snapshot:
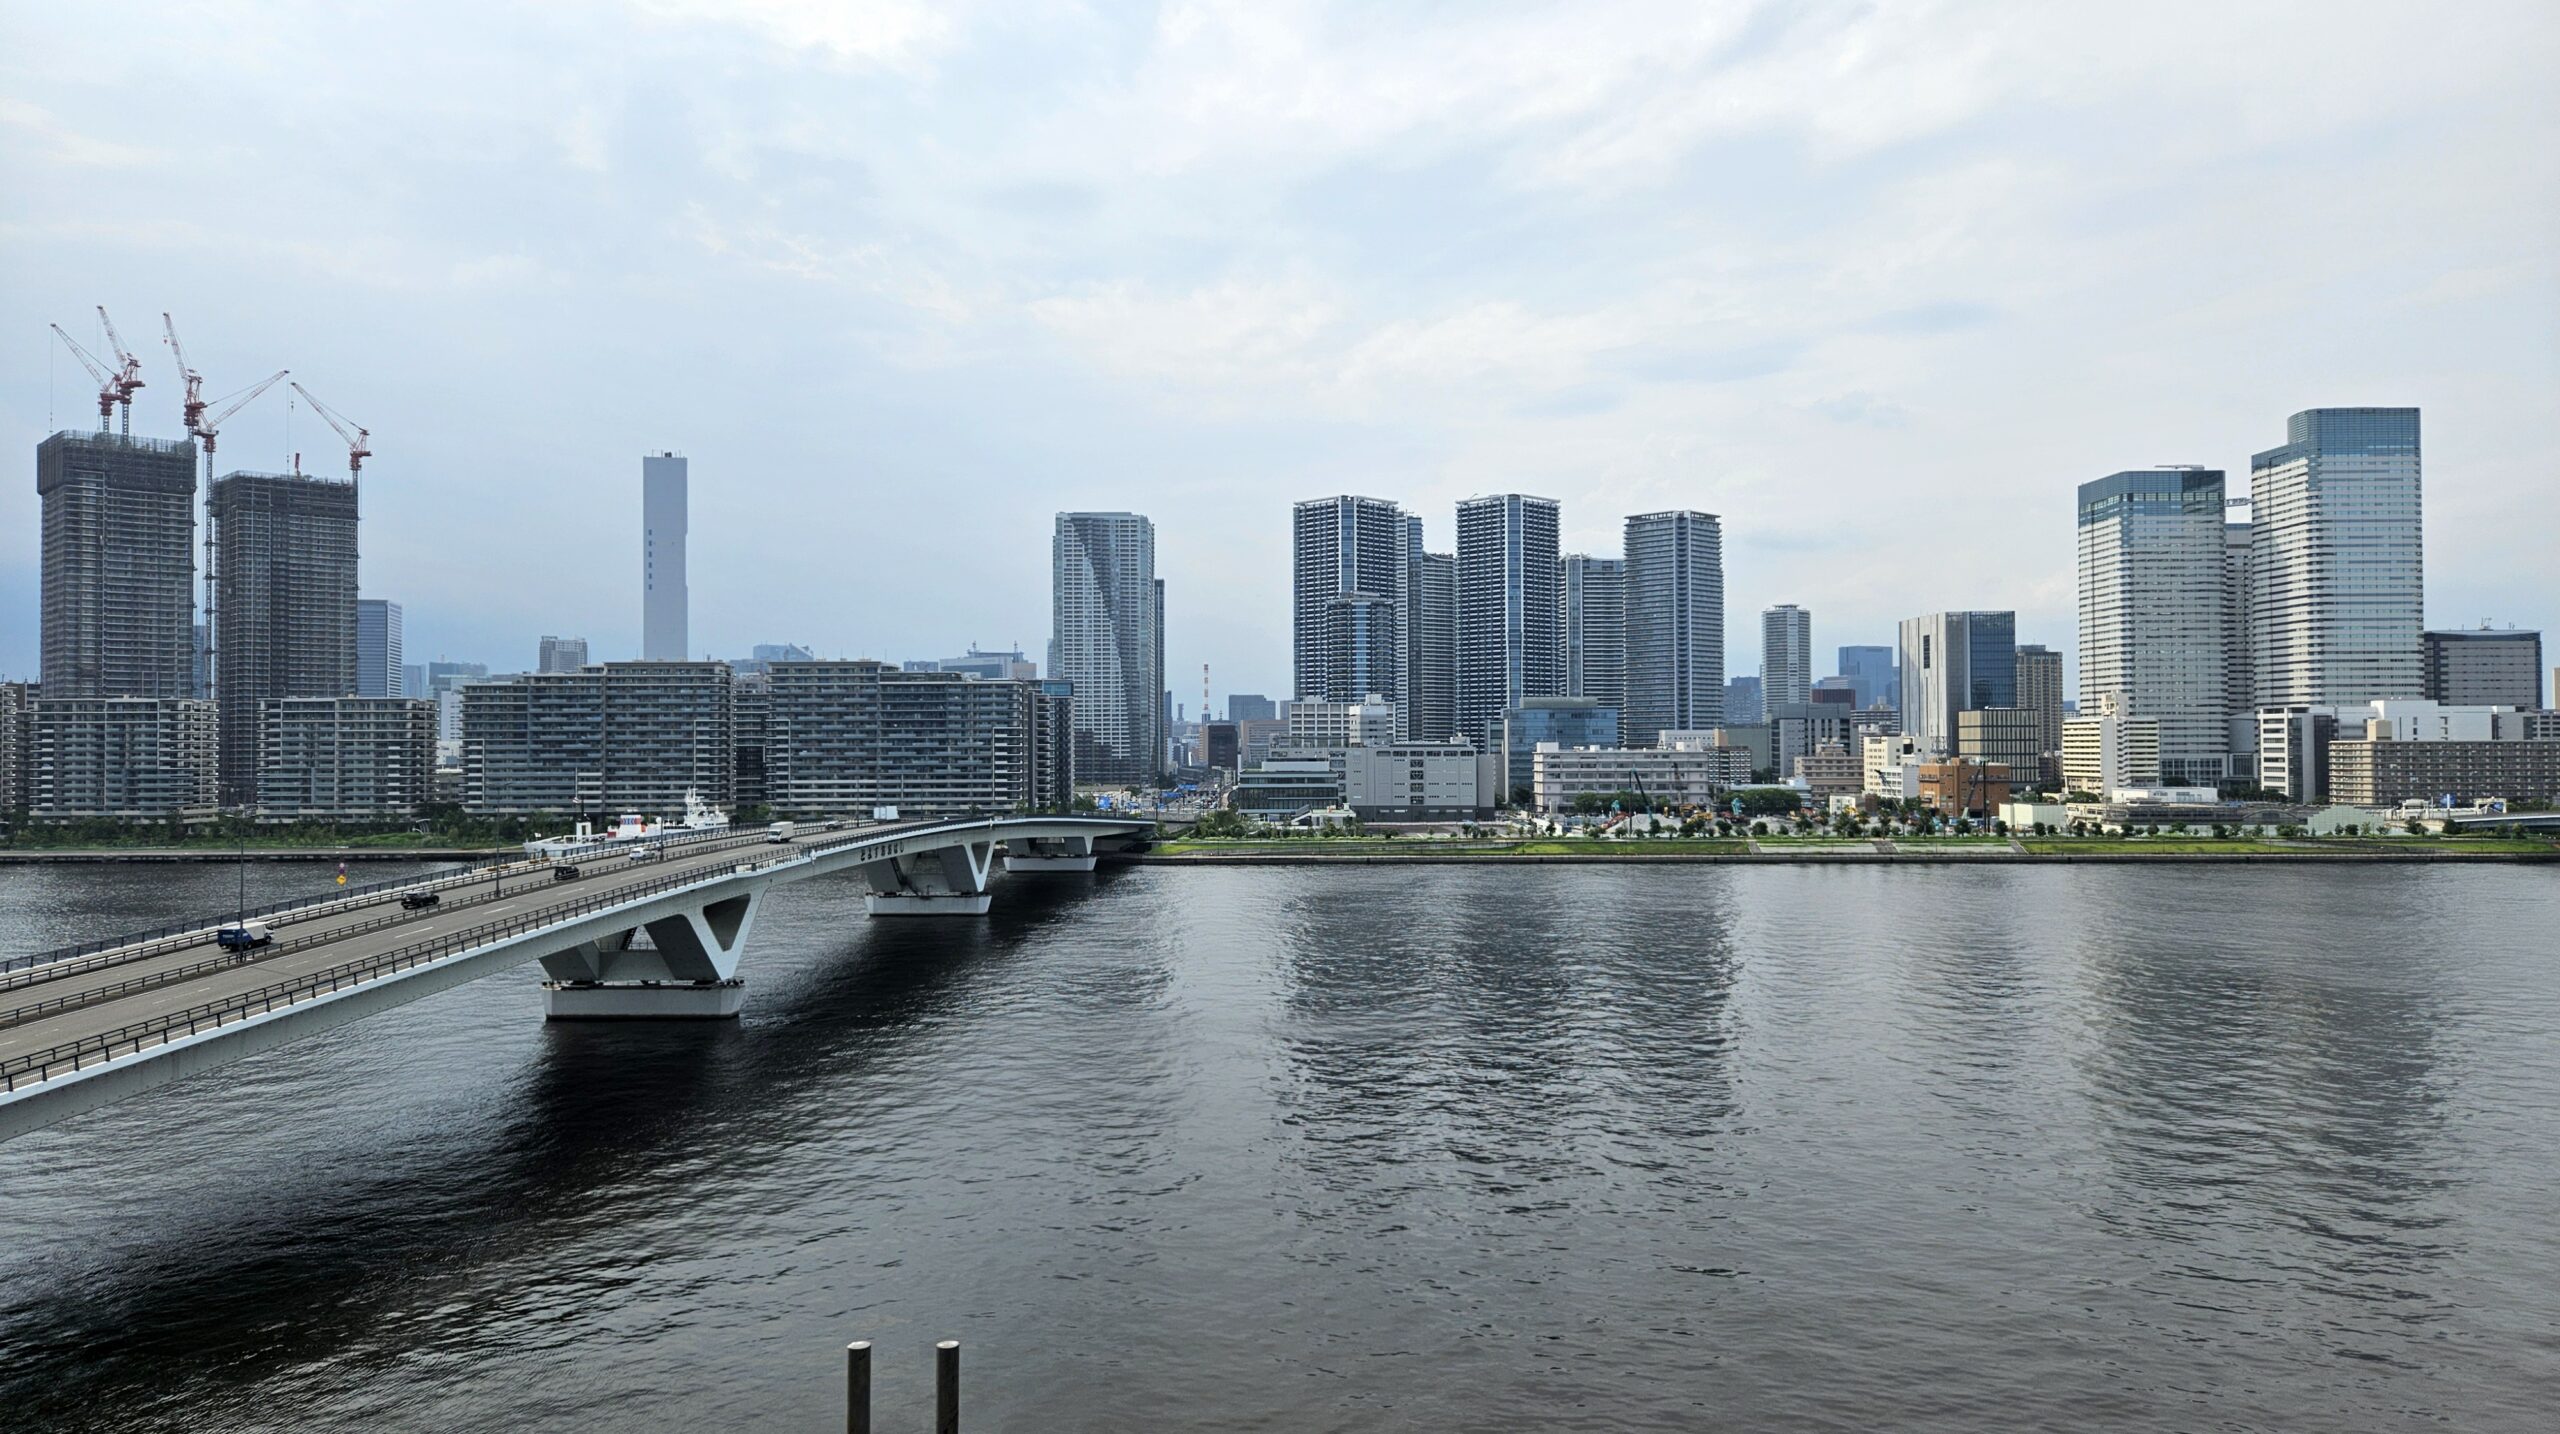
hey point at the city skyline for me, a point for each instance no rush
(1807, 376)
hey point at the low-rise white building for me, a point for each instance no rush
(1314, 722)
(1681, 776)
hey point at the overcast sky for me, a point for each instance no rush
(1879, 284)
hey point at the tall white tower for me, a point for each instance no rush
(664, 600)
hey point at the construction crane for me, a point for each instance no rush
(210, 429)
(194, 404)
(128, 373)
(110, 384)
(358, 442)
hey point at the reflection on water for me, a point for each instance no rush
(1449, 1148)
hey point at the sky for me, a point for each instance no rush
(1879, 284)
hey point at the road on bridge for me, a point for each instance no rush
(66, 1002)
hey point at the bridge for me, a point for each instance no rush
(660, 937)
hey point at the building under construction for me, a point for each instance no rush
(285, 607)
(119, 565)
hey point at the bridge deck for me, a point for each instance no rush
(78, 1013)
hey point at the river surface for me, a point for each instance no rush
(1478, 1148)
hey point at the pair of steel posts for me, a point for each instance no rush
(946, 1387)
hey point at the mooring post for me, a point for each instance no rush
(946, 1387)
(857, 1387)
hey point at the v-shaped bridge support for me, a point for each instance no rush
(688, 967)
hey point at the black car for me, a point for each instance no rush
(420, 900)
(564, 873)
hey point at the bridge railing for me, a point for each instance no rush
(177, 936)
(36, 1067)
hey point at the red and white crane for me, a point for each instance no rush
(115, 386)
(359, 442)
(129, 371)
(193, 406)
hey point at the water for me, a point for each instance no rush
(1598, 1148)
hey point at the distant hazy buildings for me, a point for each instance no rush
(664, 599)
(285, 606)
(1108, 640)
(117, 548)
(1871, 675)
(2153, 618)
(1010, 665)
(1743, 702)
(560, 654)
(2484, 668)
(1348, 562)
(1675, 624)
(1786, 654)
(2336, 559)
(1952, 661)
(1506, 602)
(1594, 627)
(1251, 707)
(379, 669)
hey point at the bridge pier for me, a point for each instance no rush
(1037, 854)
(687, 971)
(947, 881)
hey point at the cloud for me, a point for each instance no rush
(887, 33)
(906, 277)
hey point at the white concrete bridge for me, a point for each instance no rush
(624, 939)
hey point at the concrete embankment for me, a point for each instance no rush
(1842, 858)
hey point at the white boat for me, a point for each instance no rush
(633, 827)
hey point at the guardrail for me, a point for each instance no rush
(36, 1067)
(178, 936)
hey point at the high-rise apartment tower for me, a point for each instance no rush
(1675, 625)
(1107, 638)
(285, 606)
(1593, 627)
(1506, 609)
